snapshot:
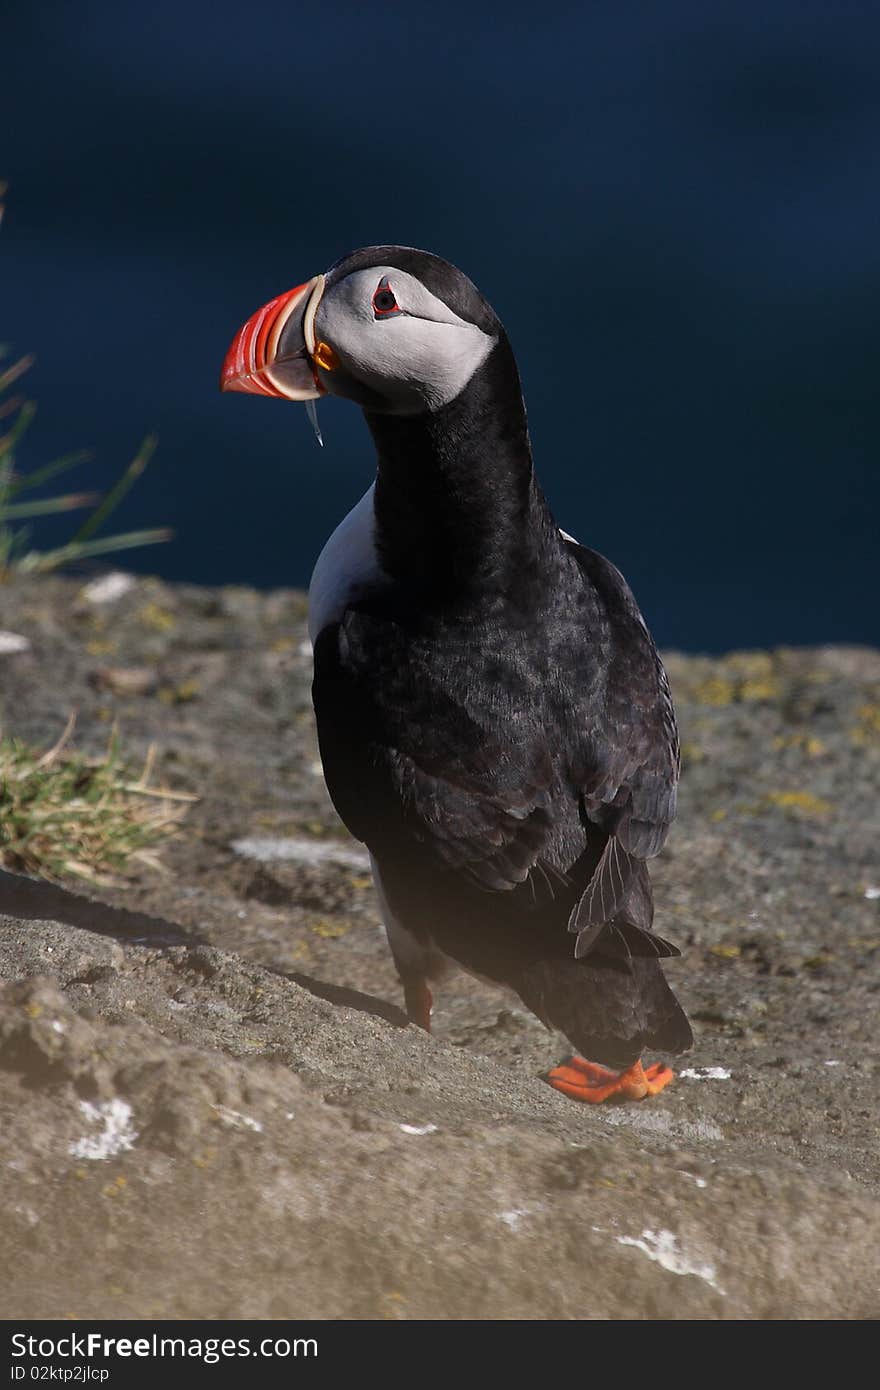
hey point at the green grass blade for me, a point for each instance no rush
(7, 547)
(17, 369)
(46, 506)
(50, 470)
(9, 440)
(118, 491)
(11, 406)
(18, 542)
(40, 562)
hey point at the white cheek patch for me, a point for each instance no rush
(347, 569)
(420, 358)
(451, 353)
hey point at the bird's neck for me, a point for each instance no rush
(458, 510)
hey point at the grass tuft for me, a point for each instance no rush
(16, 554)
(65, 815)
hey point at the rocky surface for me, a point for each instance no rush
(212, 1105)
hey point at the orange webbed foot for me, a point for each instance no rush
(583, 1080)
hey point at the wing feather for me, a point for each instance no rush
(631, 769)
(449, 735)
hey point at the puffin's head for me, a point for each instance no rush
(396, 330)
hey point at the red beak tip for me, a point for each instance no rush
(254, 347)
(229, 379)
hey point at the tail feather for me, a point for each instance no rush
(629, 931)
(622, 938)
(607, 890)
(610, 1010)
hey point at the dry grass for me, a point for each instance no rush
(63, 814)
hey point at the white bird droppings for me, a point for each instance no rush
(872, 893)
(109, 587)
(705, 1074)
(662, 1248)
(11, 642)
(237, 1120)
(833, 1063)
(267, 849)
(118, 1132)
(419, 1129)
(514, 1217)
(701, 1182)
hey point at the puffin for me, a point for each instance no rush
(494, 721)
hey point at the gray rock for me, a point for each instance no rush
(213, 1107)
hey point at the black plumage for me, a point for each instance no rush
(495, 724)
(494, 721)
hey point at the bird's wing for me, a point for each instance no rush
(412, 754)
(629, 760)
(450, 740)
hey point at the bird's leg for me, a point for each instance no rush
(588, 1081)
(419, 1002)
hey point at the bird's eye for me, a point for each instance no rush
(384, 302)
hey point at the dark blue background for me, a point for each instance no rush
(673, 207)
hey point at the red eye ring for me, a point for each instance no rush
(384, 302)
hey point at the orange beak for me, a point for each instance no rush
(272, 354)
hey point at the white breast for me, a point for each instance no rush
(348, 567)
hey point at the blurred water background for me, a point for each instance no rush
(674, 209)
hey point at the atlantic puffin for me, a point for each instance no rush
(494, 721)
